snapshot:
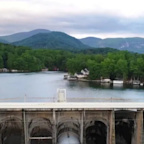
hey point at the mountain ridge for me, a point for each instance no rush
(3, 41)
(22, 35)
(134, 44)
(53, 40)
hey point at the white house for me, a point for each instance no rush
(85, 71)
(80, 75)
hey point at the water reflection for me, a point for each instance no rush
(99, 92)
(94, 85)
(115, 86)
(75, 84)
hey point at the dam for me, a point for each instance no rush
(71, 123)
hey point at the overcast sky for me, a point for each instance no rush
(79, 18)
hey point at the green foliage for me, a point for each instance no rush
(1, 62)
(94, 68)
(108, 68)
(114, 65)
(22, 58)
(121, 69)
(76, 64)
(98, 50)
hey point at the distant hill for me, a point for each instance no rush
(91, 41)
(42, 38)
(3, 41)
(53, 40)
(22, 35)
(135, 44)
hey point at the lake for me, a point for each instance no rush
(42, 87)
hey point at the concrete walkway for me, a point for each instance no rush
(69, 105)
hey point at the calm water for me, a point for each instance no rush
(42, 87)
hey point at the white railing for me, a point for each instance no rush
(69, 99)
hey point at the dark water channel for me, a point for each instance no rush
(124, 127)
(96, 134)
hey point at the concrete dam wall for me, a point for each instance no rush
(71, 126)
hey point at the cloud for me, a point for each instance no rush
(75, 17)
(126, 8)
(95, 24)
(91, 24)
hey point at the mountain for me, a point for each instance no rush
(3, 41)
(41, 38)
(53, 40)
(134, 44)
(91, 41)
(22, 35)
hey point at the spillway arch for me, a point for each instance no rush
(10, 119)
(91, 120)
(11, 125)
(40, 130)
(96, 130)
(68, 127)
(39, 124)
(125, 125)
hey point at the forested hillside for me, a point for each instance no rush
(134, 44)
(3, 41)
(22, 35)
(42, 38)
(115, 64)
(53, 40)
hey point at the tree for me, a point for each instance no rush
(76, 64)
(140, 67)
(121, 69)
(108, 68)
(1, 62)
(95, 69)
(10, 60)
(28, 62)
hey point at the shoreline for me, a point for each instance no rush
(99, 81)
